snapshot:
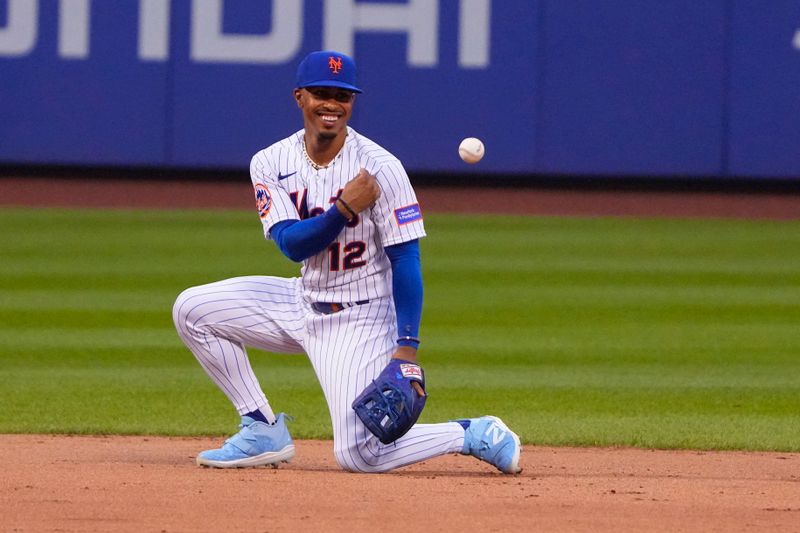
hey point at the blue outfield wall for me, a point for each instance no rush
(684, 88)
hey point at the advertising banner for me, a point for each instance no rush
(559, 87)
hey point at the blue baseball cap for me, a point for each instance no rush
(327, 68)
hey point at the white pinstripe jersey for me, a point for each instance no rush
(354, 267)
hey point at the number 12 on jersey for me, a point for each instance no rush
(346, 257)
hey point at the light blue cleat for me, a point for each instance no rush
(256, 444)
(490, 440)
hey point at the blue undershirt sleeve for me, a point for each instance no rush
(300, 239)
(407, 290)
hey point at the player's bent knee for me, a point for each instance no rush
(182, 309)
(344, 461)
(360, 457)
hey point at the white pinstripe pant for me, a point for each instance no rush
(347, 349)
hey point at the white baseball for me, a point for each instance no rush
(471, 150)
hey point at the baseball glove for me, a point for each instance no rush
(391, 404)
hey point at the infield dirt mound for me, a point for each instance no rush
(78, 483)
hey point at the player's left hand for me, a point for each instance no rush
(409, 355)
(392, 403)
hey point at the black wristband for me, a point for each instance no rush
(347, 206)
(408, 341)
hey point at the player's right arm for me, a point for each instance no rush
(273, 202)
(299, 240)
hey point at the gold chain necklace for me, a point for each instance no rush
(310, 161)
(317, 166)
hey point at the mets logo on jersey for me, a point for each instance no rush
(407, 214)
(335, 64)
(263, 200)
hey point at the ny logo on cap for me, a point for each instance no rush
(335, 64)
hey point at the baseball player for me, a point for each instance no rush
(343, 206)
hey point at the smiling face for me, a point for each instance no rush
(326, 110)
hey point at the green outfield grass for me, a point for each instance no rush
(644, 332)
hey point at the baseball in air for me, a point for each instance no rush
(471, 150)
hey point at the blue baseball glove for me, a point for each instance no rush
(392, 403)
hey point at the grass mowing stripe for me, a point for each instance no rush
(82, 299)
(83, 318)
(19, 341)
(177, 400)
(583, 416)
(666, 333)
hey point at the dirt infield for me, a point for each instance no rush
(72, 483)
(63, 483)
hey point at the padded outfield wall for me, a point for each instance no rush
(667, 88)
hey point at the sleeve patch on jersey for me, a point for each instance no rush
(263, 200)
(407, 214)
